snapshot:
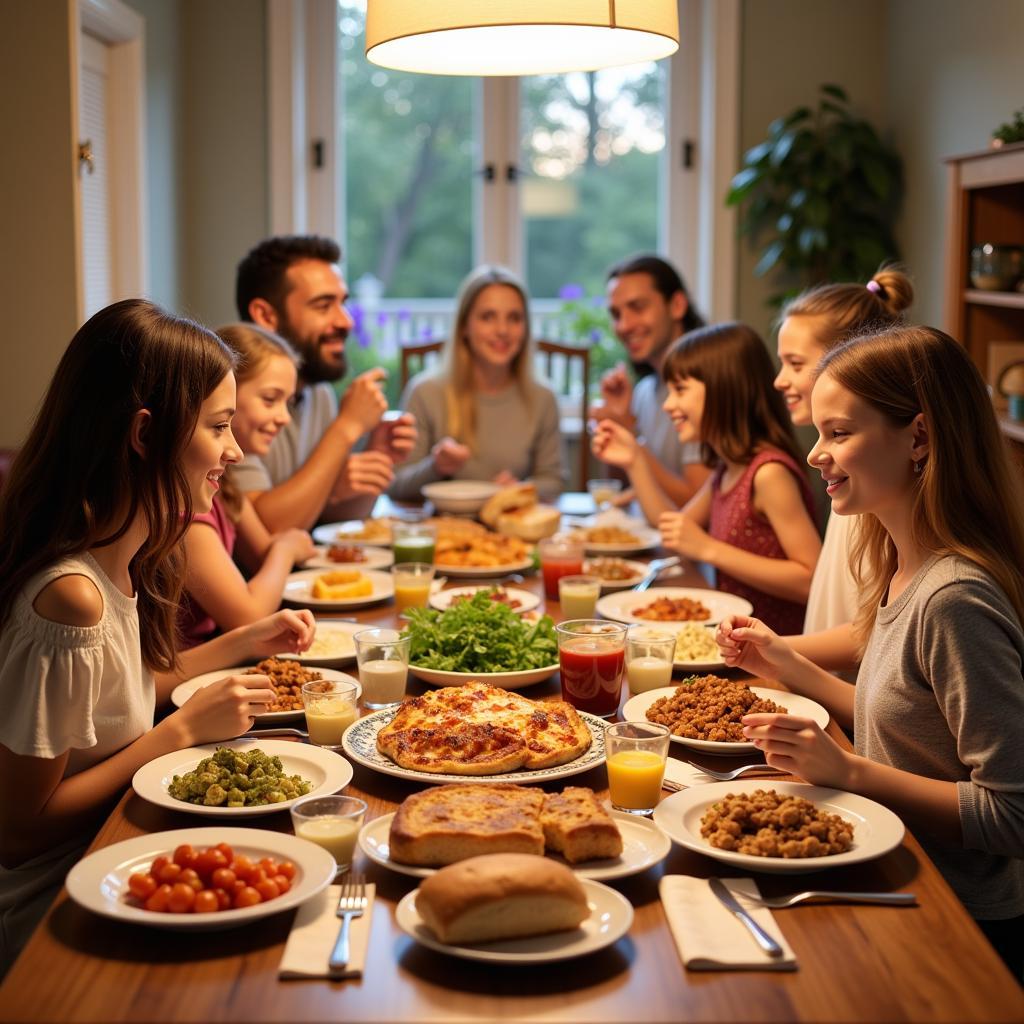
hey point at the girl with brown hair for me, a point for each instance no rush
(753, 520)
(132, 437)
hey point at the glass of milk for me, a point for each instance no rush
(332, 822)
(383, 659)
(578, 595)
(331, 707)
(649, 656)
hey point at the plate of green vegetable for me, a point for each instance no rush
(480, 639)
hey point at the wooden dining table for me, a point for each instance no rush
(927, 962)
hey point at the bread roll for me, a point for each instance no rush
(501, 896)
(508, 499)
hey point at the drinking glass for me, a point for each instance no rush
(332, 822)
(383, 658)
(603, 492)
(413, 542)
(560, 555)
(578, 595)
(330, 706)
(649, 657)
(635, 755)
(590, 658)
(412, 584)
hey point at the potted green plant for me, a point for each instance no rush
(819, 196)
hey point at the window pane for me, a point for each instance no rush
(591, 159)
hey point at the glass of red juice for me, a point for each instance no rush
(591, 657)
(560, 555)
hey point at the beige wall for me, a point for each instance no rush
(38, 286)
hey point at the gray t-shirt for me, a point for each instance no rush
(653, 423)
(521, 436)
(940, 693)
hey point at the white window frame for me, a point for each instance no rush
(698, 233)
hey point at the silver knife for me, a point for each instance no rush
(653, 569)
(763, 939)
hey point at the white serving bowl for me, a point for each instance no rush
(459, 496)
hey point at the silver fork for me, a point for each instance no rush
(351, 904)
(896, 899)
(737, 772)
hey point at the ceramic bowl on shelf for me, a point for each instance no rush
(996, 268)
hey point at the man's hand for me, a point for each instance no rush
(449, 456)
(369, 472)
(616, 395)
(364, 402)
(394, 437)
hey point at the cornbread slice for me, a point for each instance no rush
(450, 823)
(578, 827)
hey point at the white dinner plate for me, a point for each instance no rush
(443, 598)
(638, 569)
(332, 644)
(360, 743)
(483, 572)
(99, 882)
(876, 830)
(611, 914)
(645, 538)
(691, 665)
(374, 558)
(183, 691)
(354, 531)
(506, 680)
(643, 845)
(327, 771)
(298, 590)
(635, 710)
(622, 607)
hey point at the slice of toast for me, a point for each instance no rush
(578, 827)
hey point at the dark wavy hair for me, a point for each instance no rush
(261, 273)
(77, 482)
(667, 281)
(742, 410)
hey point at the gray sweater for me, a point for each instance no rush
(940, 693)
(522, 437)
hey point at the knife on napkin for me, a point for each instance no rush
(763, 939)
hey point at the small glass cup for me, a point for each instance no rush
(383, 658)
(635, 755)
(413, 542)
(604, 492)
(332, 822)
(590, 660)
(578, 595)
(412, 584)
(560, 555)
(331, 706)
(650, 654)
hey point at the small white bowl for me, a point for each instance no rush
(459, 496)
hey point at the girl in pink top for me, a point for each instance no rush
(753, 520)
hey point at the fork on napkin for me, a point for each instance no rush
(707, 935)
(313, 935)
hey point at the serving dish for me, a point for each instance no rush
(459, 497)
(622, 606)
(298, 591)
(375, 558)
(441, 599)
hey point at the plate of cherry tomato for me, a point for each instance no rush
(200, 878)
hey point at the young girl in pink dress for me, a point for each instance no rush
(753, 520)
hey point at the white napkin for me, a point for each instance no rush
(685, 774)
(709, 937)
(316, 930)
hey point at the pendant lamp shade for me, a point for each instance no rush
(518, 37)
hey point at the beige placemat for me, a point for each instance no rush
(314, 933)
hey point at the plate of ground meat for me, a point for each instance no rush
(705, 712)
(779, 827)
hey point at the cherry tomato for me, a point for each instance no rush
(238, 887)
(256, 876)
(158, 865)
(181, 899)
(283, 884)
(223, 899)
(269, 865)
(229, 854)
(142, 886)
(207, 902)
(189, 877)
(169, 873)
(268, 890)
(242, 867)
(209, 861)
(185, 856)
(286, 868)
(223, 878)
(158, 901)
(248, 897)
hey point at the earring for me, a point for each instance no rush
(917, 467)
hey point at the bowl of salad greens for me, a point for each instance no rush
(480, 639)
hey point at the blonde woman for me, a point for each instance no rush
(482, 416)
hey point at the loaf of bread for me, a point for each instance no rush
(501, 896)
(578, 827)
(450, 823)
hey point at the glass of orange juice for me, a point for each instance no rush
(635, 757)
(331, 707)
(332, 822)
(412, 584)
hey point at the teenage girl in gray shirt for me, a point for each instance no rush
(908, 441)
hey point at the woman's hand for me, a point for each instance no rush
(224, 709)
(799, 745)
(749, 644)
(283, 631)
(449, 456)
(614, 444)
(297, 543)
(680, 533)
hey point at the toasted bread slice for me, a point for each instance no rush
(578, 827)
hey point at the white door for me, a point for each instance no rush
(94, 173)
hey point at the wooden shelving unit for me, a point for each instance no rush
(985, 204)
